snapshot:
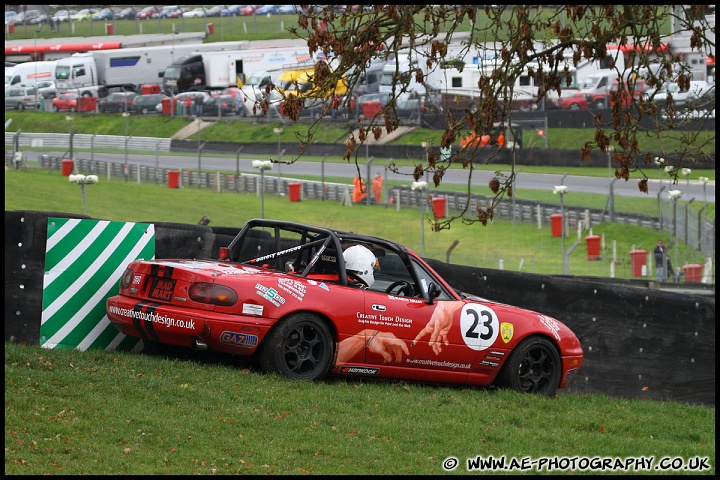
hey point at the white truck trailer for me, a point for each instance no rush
(96, 73)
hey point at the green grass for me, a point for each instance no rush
(100, 412)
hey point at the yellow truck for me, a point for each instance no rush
(298, 81)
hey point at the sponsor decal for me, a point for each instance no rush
(270, 294)
(569, 374)
(486, 363)
(551, 324)
(506, 331)
(239, 339)
(252, 309)
(294, 287)
(386, 320)
(161, 289)
(359, 371)
(136, 279)
(324, 287)
(438, 363)
(405, 299)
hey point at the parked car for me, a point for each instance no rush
(127, 13)
(166, 11)
(216, 10)
(249, 9)
(46, 88)
(84, 15)
(42, 18)
(9, 16)
(20, 97)
(220, 105)
(704, 99)
(570, 100)
(66, 101)
(117, 102)
(197, 12)
(288, 9)
(147, 13)
(63, 15)
(297, 299)
(145, 104)
(231, 11)
(25, 17)
(679, 97)
(105, 14)
(266, 9)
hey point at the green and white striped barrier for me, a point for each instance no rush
(84, 261)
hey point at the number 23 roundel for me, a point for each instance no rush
(480, 326)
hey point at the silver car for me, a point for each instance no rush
(21, 97)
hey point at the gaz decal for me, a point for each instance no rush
(239, 339)
(479, 326)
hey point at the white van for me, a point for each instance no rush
(30, 73)
(405, 70)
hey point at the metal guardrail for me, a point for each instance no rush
(62, 140)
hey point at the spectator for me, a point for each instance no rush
(240, 108)
(198, 105)
(501, 140)
(661, 260)
(188, 105)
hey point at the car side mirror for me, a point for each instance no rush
(433, 292)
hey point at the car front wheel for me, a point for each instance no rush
(300, 347)
(534, 366)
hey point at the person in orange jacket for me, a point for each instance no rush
(377, 187)
(359, 192)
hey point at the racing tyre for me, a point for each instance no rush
(20, 106)
(534, 366)
(600, 104)
(300, 347)
(144, 110)
(574, 106)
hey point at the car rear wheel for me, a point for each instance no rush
(300, 347)
(20, 106)
(574, 106)
(534, 366)
(144, 110)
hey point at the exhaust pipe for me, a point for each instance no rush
(198, 345)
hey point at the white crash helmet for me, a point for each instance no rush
(361, 262)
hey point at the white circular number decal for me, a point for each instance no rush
(479, 326)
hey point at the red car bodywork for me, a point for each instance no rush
(467, 341)
(66, 101)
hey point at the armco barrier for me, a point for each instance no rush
(625, 353)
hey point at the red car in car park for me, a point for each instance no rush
(66, 101)
(570, 101)
(147, 13)
(306, 302)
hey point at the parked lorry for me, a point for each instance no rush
(228, 68)
(96, 73)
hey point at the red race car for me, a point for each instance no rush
(308, 301)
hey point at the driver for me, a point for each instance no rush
(360, 264)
